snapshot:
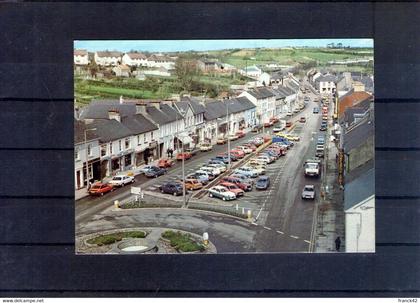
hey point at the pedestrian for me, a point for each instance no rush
(171, 152)
(168, 152)
(337, 244)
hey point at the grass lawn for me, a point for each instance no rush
(181, 241)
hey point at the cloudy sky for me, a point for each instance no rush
(204, 45)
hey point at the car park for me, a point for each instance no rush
(262, 182)
(246, 171)
(165, 163)
(205, 146)
(233, 188)
(308, 192)
(173, 188)
(121, 180)
(155, 172)
(191, 184)
(221, 193)
(239, 182)
(99, 189)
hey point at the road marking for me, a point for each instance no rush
(253, 223)
(307, 241)
(294, 237)
(267, 228)
(279, 232)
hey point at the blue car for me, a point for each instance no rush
(155, 172)
(200, 177)
(263, 182)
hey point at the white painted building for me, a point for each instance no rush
(265, 102)
(108, 58)
(162, 72)
(326, 84)
(359, 208)
(81, 57)
(134, 59)
(251, 71)
(160, 61)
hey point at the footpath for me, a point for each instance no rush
(330, 216)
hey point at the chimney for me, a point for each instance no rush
(155, 104)
(114, 114)
(140, 108)
(121, 100)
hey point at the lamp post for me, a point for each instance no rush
(87, 156)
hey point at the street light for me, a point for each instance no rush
(87, 156)
(227, 131)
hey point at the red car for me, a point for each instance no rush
(238, 152)
(251, 146)
(268, 124)
(240, 134)
(288, 124)
(266, 138)
(274, 119)
(238, 182)
(164, 163)
(232, 188)
(184, 156)
(99, 189)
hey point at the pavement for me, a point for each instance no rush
(330, 220)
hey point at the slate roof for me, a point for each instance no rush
(110, 130)
(98, 109)
(245, 103)
(138, 124)
(261, 93)
(182, 106)
(171, 111)
(358, 134)
(214, 110)
(158, 116)
(109, 54)
(80, 52)
(79, 132)
(326, 78)
(360, 188)
(195, 104)
(136, 56)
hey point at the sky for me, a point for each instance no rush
(205, 45)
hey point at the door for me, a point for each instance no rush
(78, 179)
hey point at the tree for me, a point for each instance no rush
(187, 72)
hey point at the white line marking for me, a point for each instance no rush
(253, 223)
(279, 232)
(267, 228)
(294, 237)
(307, 241)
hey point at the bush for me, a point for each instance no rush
(182, 242)
(115, 237)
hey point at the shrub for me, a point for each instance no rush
(182, 242)
(115, 237)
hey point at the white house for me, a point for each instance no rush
(265, 102)
(359, 208)
(134, 59)
(251, 71)
(121, 70)
(161, 71)
(264, 79)
(86, 153)
(195, 123)
(326, 84)
(108, 58)
(160, 61)
(81, 57)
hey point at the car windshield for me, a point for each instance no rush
(311, 165)
(117, 178)
(96, 186)
(307, 188)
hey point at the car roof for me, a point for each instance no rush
(263, 178)
(309, 186)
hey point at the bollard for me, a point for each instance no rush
(243, 210)
(237, 207)
(117, 204)
(206, 239)
(249, 214)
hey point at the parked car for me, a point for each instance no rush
(216, 161)
(289, 114)
(204, 174)
(203, 179)
(249, 172)
(237, 153)
(221, 193)
(315, 110)
(221, 141)
(213, 170)
(232, 137)
(258, 141)
(244, 148)
(274, 119)
(184, 155)
(224, 158)
(205, 146)
(100, 189)
(192, 151)
(173, 188)
(219, 166)
(256, 128)
(251, 146)
(323, 126)
(263, 182)
(233, 188)
(302, 119)
(265, 158)
(191, 184)
(277, 129)
(268, 124)
(240, 134)
(165, 163)
(239, 182)
(308, 192)
(146, 168)
(288, 124)
(155, 172)
(243, 178)
(121, 180)
(259, 168)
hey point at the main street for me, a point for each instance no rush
(282, 221)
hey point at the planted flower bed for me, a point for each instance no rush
(115, 237)
(182, 242)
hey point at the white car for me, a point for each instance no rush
(278, 129)
(213, 170)
(206, 146)
(265, 159)
(245, 149)
(232, 137)
(221, 193)
(246, 171)
(308, 192)
(221, 167)
(121, 180)
(259, 168)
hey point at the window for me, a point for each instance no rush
(127, 143)
(76, 153)
(110, 148)
(89, 150)
(144, 139)
(138, 140)
(151, 135)
(119, 145)
(103, 150)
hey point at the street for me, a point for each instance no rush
(281, 220)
